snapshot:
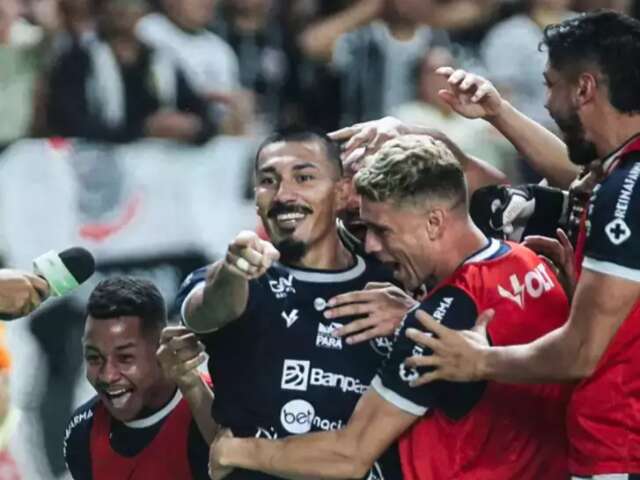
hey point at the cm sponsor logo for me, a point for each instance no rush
(299, 416)
(298, 375)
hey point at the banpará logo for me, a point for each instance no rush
(299, 416)
(325, 338)
(295, 375)
(298, 375)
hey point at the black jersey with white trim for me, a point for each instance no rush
(278, 370)
(127, 440)
(613, 224)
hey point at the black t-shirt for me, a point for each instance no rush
(278, 371)
(124, 440)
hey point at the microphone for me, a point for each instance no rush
(65, 271)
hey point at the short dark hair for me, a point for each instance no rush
(296, 135)
(605, 39)
(128, 296)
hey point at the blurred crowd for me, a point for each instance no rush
(120, 70)
(117, 71)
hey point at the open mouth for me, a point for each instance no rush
(289, 221)
(118, 398)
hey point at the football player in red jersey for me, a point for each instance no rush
(415, 206)
(140, 424)
(594, 99)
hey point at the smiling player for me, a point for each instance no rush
(139, 425)
(262, 312)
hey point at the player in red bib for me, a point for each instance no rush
(139, 425)
(414, 203)
(593, 96)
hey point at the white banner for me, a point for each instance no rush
(147, 199)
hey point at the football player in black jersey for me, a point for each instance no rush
(278, 366)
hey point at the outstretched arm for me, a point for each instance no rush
(226, 292)
(569, 353)
(346, 453)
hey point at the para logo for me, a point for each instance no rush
(325, 338)
(536, 282)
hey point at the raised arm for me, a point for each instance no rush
(473, 96)
(544, 151)
(225, 294)
(180, 353)
(363, 139)
(318, 40)
(346, 453)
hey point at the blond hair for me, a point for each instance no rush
(412, 169)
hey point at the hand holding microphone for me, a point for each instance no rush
(54, 275)
(20, 292)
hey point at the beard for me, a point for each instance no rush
(291, 250)
(581, 152)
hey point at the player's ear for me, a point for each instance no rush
(435, 219)
(343, 190)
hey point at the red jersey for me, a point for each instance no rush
(167, 445)
(485, 430)
(604, 413)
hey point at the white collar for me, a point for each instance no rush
(485, 252)
(159, 415)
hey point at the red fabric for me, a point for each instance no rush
(604, 414)
(8, 468)
(515, 431)
(165, 458)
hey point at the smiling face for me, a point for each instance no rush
(398, 238)
(121, 363)
(298, 192)
(561, 105)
